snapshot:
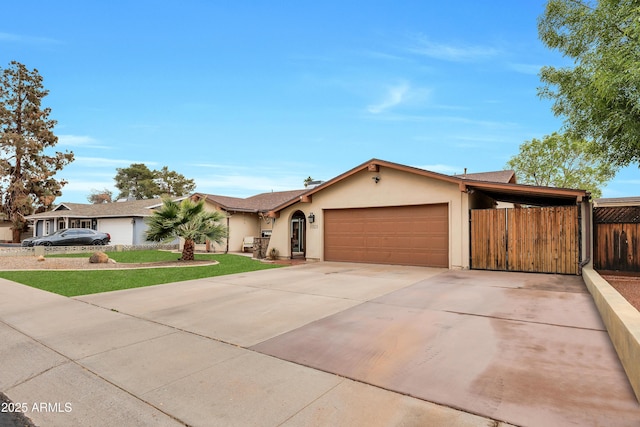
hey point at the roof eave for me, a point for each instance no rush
(371, 165)
(524, 193)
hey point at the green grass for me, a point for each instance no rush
(84, 282)
(141, 256)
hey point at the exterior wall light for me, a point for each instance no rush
(312, 218)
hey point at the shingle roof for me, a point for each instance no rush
(103, 210)
(263, 202)
(617, 201)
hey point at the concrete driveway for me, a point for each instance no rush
(317, 344)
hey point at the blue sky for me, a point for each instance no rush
(249, 97)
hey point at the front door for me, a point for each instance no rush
(297, 234)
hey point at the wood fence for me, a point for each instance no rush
(541, 240)
(617, 238)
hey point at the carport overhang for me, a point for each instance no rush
(526, 194)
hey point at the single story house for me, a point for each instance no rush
(124, 221)
(384, 212)
(246, 218)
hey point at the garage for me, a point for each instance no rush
(402, 235)
(119, 229)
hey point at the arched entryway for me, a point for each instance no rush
(298, 233)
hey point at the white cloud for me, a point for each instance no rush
(627, 181)
(452, 52)
(87, 186)
(9, 37)
(532, 69)
(246, 185)
(98, 162)
(78, 141)
(440, 168)
(17, 38)
(245, 181)
(395, 95)
(218, 166)
(400, 94)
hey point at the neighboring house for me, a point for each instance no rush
(124, 221)
(616, 202)
(246, 217)
(6, 230)
(6, 233)
(384, 212)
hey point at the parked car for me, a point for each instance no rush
(70, 237)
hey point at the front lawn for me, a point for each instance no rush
(84, 282)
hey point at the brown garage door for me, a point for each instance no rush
(404, 235)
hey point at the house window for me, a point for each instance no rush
(60, 224)
(85, 223)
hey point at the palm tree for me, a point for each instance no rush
(187, 219)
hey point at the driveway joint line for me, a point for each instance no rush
(67, 359)
(314, 400)
(461, 313)
(522, 321)
(81, 366)
(175, 328)
(126, 345)
(284, 360)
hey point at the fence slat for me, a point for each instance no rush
(543, 240)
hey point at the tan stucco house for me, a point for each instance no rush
(246, 218)
(384, 212)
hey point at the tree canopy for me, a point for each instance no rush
(561, 161)
(308, 181)
(98, 197)
(188, 220)
(139, 182)
(173, 184)
(599, 96)
(27, 163)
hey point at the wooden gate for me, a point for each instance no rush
(617, 238)
(540, 240)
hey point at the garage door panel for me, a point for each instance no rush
(406, 235)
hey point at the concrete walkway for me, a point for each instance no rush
(317, 344)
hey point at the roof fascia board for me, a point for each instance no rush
(521, 188)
